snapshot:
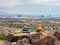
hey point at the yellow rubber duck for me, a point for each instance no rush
(39, 28)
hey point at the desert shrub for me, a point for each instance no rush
(2, 36)
(33, 27)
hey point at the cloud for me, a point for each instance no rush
(29, 6)
(8, 3)
(12, 3)
(36, 1)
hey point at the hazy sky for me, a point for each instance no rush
(31, 7)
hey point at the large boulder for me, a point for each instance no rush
(3, 42)
(57, 35)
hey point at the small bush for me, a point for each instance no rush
(2, 36)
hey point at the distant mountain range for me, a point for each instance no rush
(21, 16)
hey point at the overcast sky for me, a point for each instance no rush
(31, 7)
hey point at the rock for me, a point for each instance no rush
(25, 40)
(13, 43)
(57, 35)
(50, 40)
(3, 42)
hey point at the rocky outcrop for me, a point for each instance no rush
(48, 37)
